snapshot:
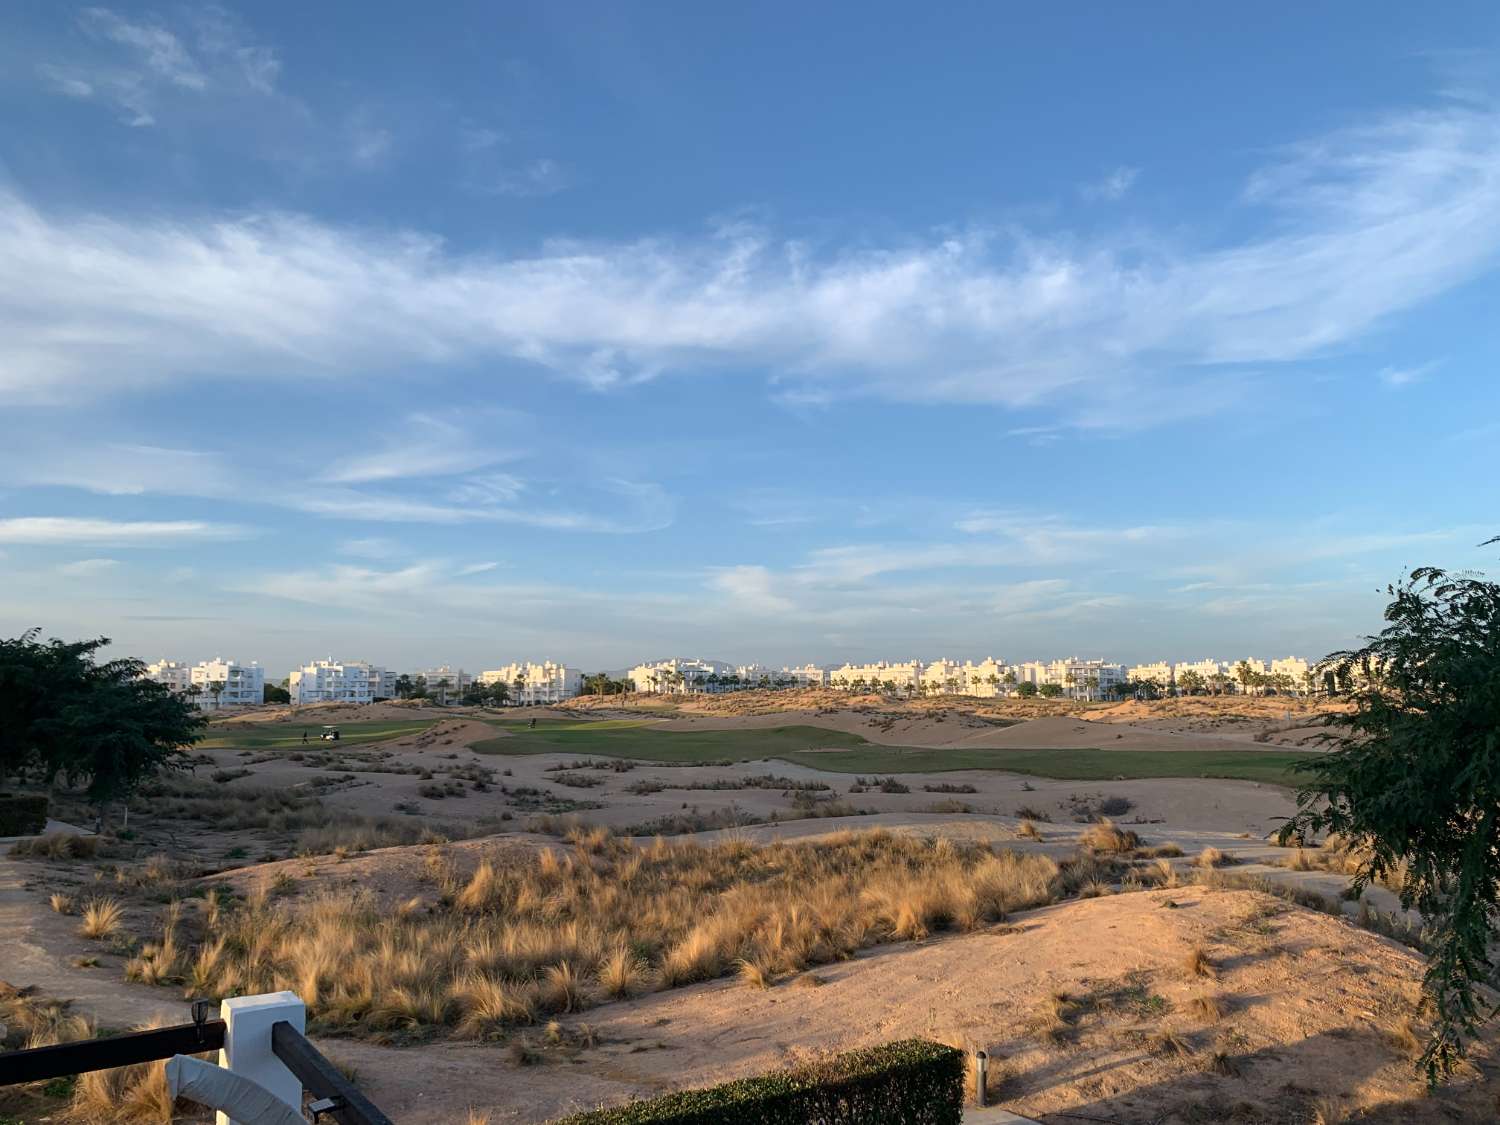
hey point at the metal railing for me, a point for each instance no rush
(333, 1096)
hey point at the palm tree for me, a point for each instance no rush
(1092, 686)
(216, 689)
(403, 686)
(196, 691)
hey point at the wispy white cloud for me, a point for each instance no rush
(475, 568)
(138, 63)
(1355, 228)
(751, 589)
(121, 533)
(427, 445)
(372, 547)
(1112, 186)
(1397, 377)
(87, 568)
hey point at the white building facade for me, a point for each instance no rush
(533, 682)
(444, 682)
(333, 681)
(226, 683)
(176, 676)
(677, 676)
(1159, 674)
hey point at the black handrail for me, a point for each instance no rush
(336, 1095)
(62, 1059)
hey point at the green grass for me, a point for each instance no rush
(1271, 766)
(288, 736)
(635, 738)
(849, 753)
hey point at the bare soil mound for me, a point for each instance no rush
(1090, 1011)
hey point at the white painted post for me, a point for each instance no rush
(247, 1044)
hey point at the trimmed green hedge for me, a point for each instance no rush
(22, 815)
(913, 1082)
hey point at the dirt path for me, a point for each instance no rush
(38, 948)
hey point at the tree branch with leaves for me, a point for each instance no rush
(1413, 782)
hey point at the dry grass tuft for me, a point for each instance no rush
(1168, 1044)
(1402, 1037)
(622, 974)
(1211, 857)
(1053, 1022)
(1106, 838)
(1209, 1009)
(102, 918)
(62, 903)
(503, 941)
(1196, 963)
(57, 845)
(753, 974)
(1223, 1064)
(1028, 830)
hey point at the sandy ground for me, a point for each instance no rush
(1308, 996)
(1308, 1001)
(1173, 803)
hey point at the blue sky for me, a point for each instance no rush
(470, 332)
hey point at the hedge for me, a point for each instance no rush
(22, 815)
(913, 1082)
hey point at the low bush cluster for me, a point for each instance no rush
(22, 814)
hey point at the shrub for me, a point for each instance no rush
(913, 1082)
(1106, 837)
(101, 918)
(57, 845)
(22, 814)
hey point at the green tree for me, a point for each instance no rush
(273, 693)
(216, 689)
(404, 686)
(1189, 682)
(1050, 691)
(1026, 690)
(1414, 782)
(69, 716)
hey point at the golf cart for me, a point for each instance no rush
(330, 734)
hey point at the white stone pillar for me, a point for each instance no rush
(247, 1044)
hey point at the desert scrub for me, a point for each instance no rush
(510, 941)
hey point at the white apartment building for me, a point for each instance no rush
(809, 675)
(445, 682)
(1206, 670)
(1294, 667)
(330, 681)
(1159, 674)
(677, 676)
(531, 682)
(226, 683)
(174, 674)
(906, 677)
(987, 679)
(1085, 679)
(944, 677)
